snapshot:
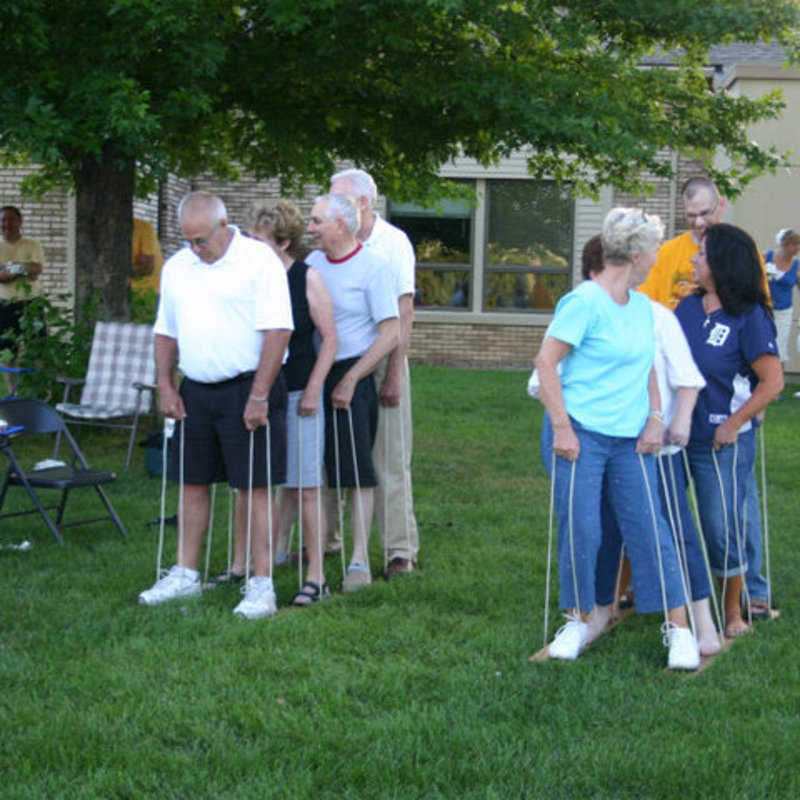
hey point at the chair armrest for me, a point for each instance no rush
(68, 384)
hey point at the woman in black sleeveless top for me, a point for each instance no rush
(311, 352)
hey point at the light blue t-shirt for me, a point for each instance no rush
(604, 377)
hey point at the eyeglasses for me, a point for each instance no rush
(200, 242)
(692, 218)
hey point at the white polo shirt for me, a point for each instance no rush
(392, 244)
(218, 312)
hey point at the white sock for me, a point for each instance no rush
(708, 638)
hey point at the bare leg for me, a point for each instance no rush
(598, 621)
(312, 533)
(195, 522)
(734, 624)
(240, 534)
(259, 540)
(286, 502)
(678, 616)
(361, 501)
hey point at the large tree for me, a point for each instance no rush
(100, 93)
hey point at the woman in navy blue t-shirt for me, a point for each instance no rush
(732, 337)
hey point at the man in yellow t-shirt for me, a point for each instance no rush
(146, 257)
(672, 276)
(21, 264)
(21, 259)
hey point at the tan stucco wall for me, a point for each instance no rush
(772, 202)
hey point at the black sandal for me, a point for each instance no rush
(311, 593)
(226, 577)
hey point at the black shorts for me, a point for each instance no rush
(364, 410)
(217, 444)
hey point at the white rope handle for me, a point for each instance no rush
(570, 517)
(385, 493)
(299, 505)
(318, 462)
(765, 515)
(339, 506)
(270, 531)
(549, 546)
(654, 520)
(210, 534)
(406, 487)
(725, 526)
(678, 537)
(702, 539)
(358, 487)
(169, 429)
(249, 512)
(232, 494)
(181, 487)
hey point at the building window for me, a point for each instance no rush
(442, 238)
(517, 240)
(529, 245)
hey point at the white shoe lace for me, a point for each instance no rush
(666, 630)
(571, 620)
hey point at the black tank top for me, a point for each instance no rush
(298, 366)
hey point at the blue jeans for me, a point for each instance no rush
(674, 506)
(610, 466)
(756, 582)
(721, 500)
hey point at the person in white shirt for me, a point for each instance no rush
(224, 311)
(365, 312)
(394, 441)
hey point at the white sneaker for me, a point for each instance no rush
(259, 599)
(355, 578)
(570, 639)
(683, 650)
(178, 582)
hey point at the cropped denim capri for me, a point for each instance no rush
(610, 466)
(721, 477)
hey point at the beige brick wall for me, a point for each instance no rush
(475, 345)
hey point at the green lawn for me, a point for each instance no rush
(416, 688)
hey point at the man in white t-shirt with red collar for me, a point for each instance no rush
(224, 311)
(393, 443)
(365, 310)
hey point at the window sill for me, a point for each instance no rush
(532, 318)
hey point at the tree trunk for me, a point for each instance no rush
(104, 226)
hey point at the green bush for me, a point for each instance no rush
(52, 343)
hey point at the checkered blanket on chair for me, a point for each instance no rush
(122, 353)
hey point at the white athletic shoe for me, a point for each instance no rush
(259, 599)
(570, 639)
(683, 650)
(178, 582)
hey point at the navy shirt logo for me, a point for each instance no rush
(719, 334)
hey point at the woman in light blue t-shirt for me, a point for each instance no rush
(602, 429)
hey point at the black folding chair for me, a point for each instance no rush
(34, 418)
